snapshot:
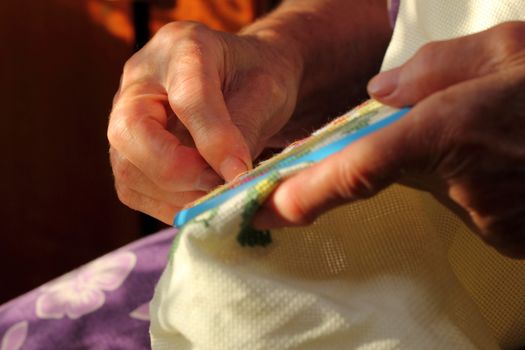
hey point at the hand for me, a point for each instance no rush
(194, 104)
(464, 141)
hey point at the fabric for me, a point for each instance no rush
(371, 275)
(397, 271)
(393, 8)
(102, 305)
(421, 21)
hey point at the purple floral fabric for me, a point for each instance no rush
(101, 305)
(394, 9)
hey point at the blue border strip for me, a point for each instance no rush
(188, 214)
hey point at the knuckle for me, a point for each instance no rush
(127, 197)
(169, 29)
(174, 29)
(196, 47)
(509, 38)
(168, 33)
(417, 71)
(425, 58)
(114, 133)
(196, 31)
(128, 121)
(191, 58)
(135, 68)
(183, 34)
(118, 129)
(131, 63)
(351, 182)
(428, 51)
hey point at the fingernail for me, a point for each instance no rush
(208, 180)
(231, 167)
(384, 83)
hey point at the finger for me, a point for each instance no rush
(195, 95)
(127, 174)
(357, 172)
(427, 141)
(411, 145)
(441, 64)
(162, 211)
(137, 129)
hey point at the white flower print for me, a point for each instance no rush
(82, 291)
(141, 313)
(15, 336)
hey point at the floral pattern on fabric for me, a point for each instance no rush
(141, 313)
(132, 271)
(82, 291)
(15, 336)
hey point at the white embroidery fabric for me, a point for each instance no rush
(397, 271)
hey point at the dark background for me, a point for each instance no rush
(60, 65)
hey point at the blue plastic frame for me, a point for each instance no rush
(186, 215)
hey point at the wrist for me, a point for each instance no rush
(338, 45)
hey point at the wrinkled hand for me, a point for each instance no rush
(464, 141)
(194, 104)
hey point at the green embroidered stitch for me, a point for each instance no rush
(205, 219)
(248, 236)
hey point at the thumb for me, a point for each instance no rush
(359, 171)
(434, 67)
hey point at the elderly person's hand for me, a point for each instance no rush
(464, 140)
(195, 104)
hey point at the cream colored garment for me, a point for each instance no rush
(397, 271)
(422, 21)
(494, 283)
(373, 275)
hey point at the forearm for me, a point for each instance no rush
(338, 45)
